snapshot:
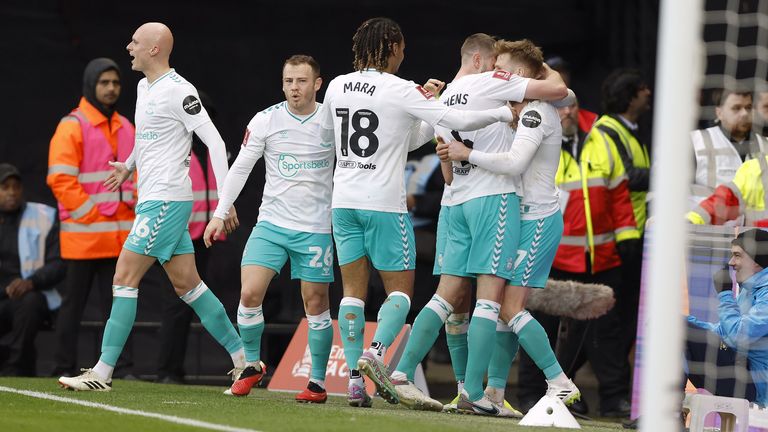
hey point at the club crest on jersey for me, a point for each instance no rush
(531, 119)
(191, 105)
(424, 92)
(502, 75)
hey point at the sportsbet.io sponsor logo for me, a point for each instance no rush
(149, 135)
(288, 165)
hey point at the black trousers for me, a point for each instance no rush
(628, 297)
(730, 378)
(82, 275)
(174, 327)
(599, 341)
(20, 320)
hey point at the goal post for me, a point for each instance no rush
(679, 69)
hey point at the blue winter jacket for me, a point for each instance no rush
(743, 327)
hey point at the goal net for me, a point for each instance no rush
(705, 47)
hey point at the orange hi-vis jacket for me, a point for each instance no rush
(94, 221)
(597, 210)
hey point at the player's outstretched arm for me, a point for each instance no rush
(250, 152)
(566, 101)
(424, 135)
(459, 120)
(513, 162)
(550, 88)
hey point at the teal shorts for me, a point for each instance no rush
(311, 254)
(483, 234)
(385, 238)
(442, 238)
(539, 240)
(161, 230)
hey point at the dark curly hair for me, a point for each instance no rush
(372, 43)
(619, 88)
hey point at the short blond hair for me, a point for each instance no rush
(478, 42)
(523, 51)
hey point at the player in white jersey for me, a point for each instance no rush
(535, 153)
(168, 111)
(294, 220)
(483, 233)
(375, 118)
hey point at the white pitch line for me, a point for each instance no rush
(168, 418)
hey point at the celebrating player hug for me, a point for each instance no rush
(335, 175)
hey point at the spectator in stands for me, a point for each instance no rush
(30, 269)
(586, 118)
(721, 149)
(741, 201)
(625, 97)
(94, 221)
(742, 326)
(761, 108)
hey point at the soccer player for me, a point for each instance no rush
(168, 111)
(483, 232)
(375, 118)
(294, 220)
(535, 153)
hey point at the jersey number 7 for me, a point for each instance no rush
(468, 143)
(353, 141)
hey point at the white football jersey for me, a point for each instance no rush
(446, 199)
(540, 122)
(299, 170)
(374, 116)
(479, 92)
(167, 113)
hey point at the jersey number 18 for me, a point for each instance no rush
(353, 141)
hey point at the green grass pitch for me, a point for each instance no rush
(261, 411)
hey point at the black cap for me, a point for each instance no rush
(558, 63)
(755, 244)
(7, 171)
(91, 75)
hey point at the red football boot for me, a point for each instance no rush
(312, 394)
(248, 378)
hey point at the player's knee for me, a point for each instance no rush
(315, 303)
(453, 295)
(184, 285)
(124, 277)
(250, 297)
